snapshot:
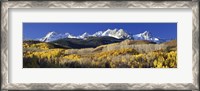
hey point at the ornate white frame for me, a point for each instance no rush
(98, 4)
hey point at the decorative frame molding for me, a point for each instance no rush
(5, 85)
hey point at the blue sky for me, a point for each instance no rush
(160, 30)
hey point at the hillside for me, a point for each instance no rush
(172, 45)
(136, 42)
(90, 42)
(101, 43)
(104, 52)
(42, 45)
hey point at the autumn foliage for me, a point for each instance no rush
(43, 55)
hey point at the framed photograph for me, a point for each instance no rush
(100, 45)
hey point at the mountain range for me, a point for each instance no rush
(115, 33)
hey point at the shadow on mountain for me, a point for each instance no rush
(90, 42)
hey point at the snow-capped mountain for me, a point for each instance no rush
(116, 33)
(98, 34)
(67, 35)
(145, 36)
(51, 36)
(83, 36)
(119, 34)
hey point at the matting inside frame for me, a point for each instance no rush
(183, 18)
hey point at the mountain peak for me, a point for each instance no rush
(67, 33)
(146, 35)
(51, 34)
(84, 35)
(115, 33)
(121, 30)
(98, 34)
(146, 31)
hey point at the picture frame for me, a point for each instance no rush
(194, 5)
